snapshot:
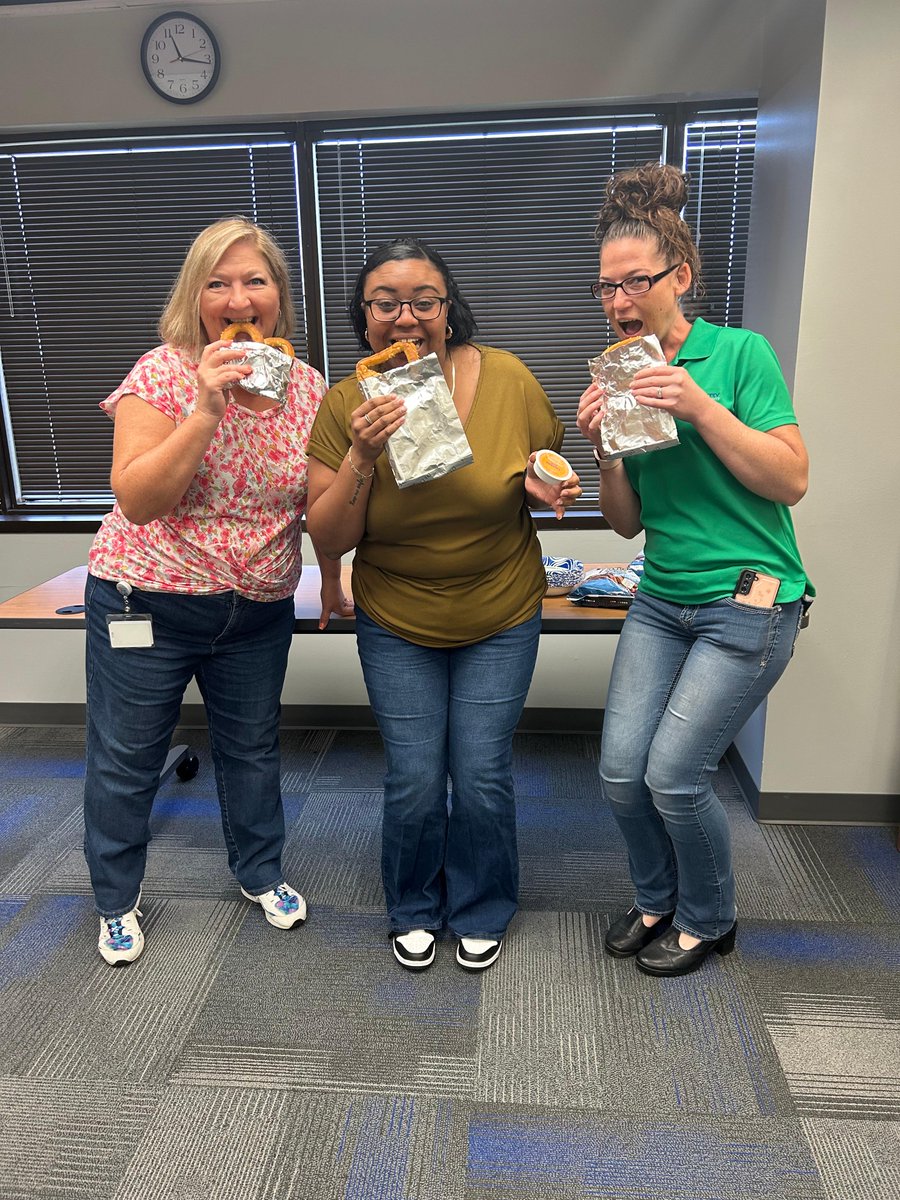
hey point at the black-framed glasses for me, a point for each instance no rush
(423, 308)
(634, 285)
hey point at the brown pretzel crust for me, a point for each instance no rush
(242, 327)
(281, 344)
(616, 345)
(365, 365)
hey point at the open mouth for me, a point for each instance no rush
(631, 328)
(417, 342)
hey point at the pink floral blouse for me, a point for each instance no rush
(238, 525)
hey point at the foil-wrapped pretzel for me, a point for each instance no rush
(365, 365)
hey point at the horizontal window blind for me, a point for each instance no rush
(93, 232)
(511, 210)
(718, 155)
(90, 243)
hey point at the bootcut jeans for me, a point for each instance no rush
(684, 681)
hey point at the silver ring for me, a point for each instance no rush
(659, 393)
(368, 418)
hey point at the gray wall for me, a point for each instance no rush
(828, 90)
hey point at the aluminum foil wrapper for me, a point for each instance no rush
(271, 370)
(431, 441)
(628, 427)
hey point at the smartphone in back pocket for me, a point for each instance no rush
(756, 589)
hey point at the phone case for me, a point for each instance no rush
(756, 590)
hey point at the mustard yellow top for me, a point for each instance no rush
(453, 561)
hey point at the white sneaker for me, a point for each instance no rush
(477, 953)
(414, 950)
(121, 940)
(284, 908)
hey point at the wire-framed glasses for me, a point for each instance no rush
(423, 308)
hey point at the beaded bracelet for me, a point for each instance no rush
(357, 472)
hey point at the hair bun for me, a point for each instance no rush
(639, 193)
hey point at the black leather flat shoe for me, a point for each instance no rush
(665, 957)
(629, 934)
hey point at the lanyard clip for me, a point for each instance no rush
(124, 589)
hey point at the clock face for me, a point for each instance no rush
(180, 57)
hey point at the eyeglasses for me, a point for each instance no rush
(423, 308)
(634, 285)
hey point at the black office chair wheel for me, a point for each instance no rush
(188, 767)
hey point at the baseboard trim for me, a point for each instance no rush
(308, 716)
(812, 808)
(828, 808)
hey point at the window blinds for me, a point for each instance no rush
(92, 234)
(90, 243)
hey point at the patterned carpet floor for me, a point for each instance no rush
(235, 1061)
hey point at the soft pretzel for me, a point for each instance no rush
(618, 345)
(365, 365)
(281, 344)
(242, 327)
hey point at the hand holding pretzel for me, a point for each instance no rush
(591, 410)
(221, 366)
(376, 419)
(671, 388)
(372, 424)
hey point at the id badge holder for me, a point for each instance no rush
(129, 630)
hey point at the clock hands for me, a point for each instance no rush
(204, 62)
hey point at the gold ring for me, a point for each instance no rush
(368, 418)
(659, 393)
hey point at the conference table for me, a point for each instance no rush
(44, 607)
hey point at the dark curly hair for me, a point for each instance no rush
(459, 316)
(646, 202)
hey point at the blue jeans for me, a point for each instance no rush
(449, 712)
(237, 650)
(684, 682)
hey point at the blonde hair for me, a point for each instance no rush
(646, 202)
(180, 323)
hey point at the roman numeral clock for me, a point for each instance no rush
(180, 57)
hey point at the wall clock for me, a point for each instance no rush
(180, 57)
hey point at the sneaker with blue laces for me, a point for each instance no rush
(283, 907)
(121, 940)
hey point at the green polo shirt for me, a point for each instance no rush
(702, 526)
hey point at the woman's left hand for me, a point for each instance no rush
(558, 496)
(670, 388)
(334, 602)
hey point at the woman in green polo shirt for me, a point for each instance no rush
(447, 583)
(717, 613)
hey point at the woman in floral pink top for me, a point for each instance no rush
(192, 575)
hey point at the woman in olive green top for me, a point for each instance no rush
(447, 582)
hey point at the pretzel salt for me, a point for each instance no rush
(242, 327)
(365, 365)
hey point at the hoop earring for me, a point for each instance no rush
(449, 332)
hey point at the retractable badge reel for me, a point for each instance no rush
(129, 630)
